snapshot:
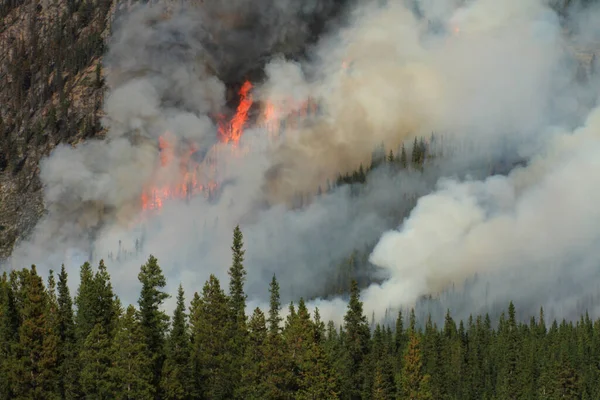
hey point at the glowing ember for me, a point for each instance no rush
(232, 131)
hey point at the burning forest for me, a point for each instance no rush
(310, 126)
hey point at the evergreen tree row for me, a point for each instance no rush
(53, 346)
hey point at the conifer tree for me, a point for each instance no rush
(253, 385)
(67, 366)
(274, 320)
(9, 336)
(509, 342)
(85, 301)
(237, 299)
(131, 369)
(400, 340)
(403, 158)
(277, 366)
(237, 275)
(416, 154)
(152, 319)
(176, 379)
(356, 342)
(35, 372)
(414, 384)
(107, 301)
(95, 302)
(196, 322)
(51, 340)
(95, 359)
(210, 344)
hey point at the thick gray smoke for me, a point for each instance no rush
(499, 72)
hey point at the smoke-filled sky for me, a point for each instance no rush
(482, 72)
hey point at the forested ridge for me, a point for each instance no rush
(55, 346)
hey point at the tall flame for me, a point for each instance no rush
(194, 177)
(232, 130)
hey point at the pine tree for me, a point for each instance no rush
(416, 154)
(131, 372)
(152, 319)
(414, 384)
(390, 158)
(176, 379)
(209, 352)
(51, 340)
(277, 366)
(509, 340)
(274, 320)
(196, 322)
(403, 158)
(356, 343)
(237, 299)
(9, 336)
(95, 358)
(107, 302)
(67, 356)
(253, 385)
(85, 301)
(95, 302)
(237, 275)
(35, 373)
(400, 340)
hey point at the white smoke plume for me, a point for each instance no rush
(536, 224)
(499, 71)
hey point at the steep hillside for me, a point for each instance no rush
(51, 91)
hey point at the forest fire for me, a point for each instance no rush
(194, 177)
(200, 177)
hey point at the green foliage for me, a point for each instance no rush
(176, 378)
(153, 320)
(95, 358)
(210, 358)
(131, 371)
(67, 352)
(356, 344)
(101, 352)
(237, 301)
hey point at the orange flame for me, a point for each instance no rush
(189, 183)
(232, 131)
(195, 177)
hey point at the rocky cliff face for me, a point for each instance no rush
(51, 91)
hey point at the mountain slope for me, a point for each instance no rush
(51, 92)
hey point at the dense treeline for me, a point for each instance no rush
(53, 346)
